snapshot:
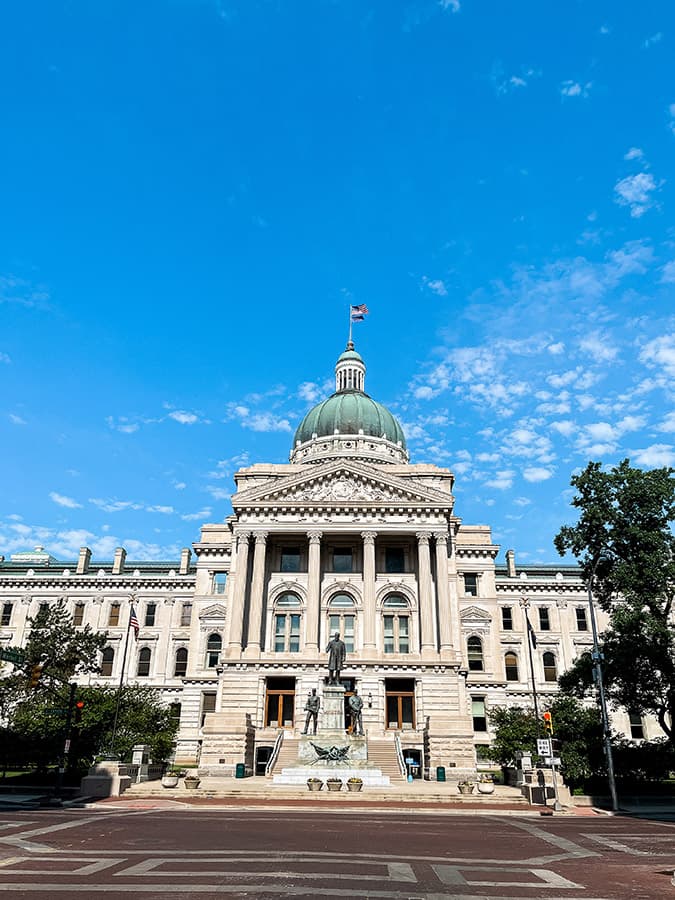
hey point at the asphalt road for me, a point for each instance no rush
(274, 854)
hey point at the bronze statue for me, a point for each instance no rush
(337, 653)
(355, 707)
(312, 706)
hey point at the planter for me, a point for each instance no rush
(465, 788)
(334, 785)
(192, 782)
(354, 785)
(170, 781)
(315, 785)
(486, 788)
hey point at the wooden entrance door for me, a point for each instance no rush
(400, 703)
(280, 702)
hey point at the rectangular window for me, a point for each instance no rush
(637, 729)
(6, 613)
(185, 614)
(287, 633)
(394, 560)
(150, 611)
(388, 634)
(396, 634)
(208, 705)
(342, 559)
(470, 584)
(290, 559)
(114, 614)
(478, 714)
(507, 618)
(582, 621)
(78, 614)
(219, 582)
(174, 710)
(344, 626)
(544, 619)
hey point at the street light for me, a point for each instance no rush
(597, 658)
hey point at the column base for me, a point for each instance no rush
(252, 651)
(233, 651)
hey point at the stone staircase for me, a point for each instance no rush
(382, 755)
(288, 755)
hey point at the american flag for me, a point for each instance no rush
(133, 622)
(531, 634)
(358, 313)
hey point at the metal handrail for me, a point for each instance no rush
(399, 755)
(271, 762)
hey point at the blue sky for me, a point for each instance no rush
(193, 191)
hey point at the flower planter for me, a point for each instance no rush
(192, 782)
(465, 788)
(486, 788)
(334, 785)
(170, 781)
(314, 785)
(354, 785)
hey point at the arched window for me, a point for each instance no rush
(511, 666)
(341, 619)
(213, 647)
(180, 667)
(287, 624)
(107, 661)
(396, 622)
(474, 652)
(144, 657)
(550, 667)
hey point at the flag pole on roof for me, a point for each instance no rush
(357, 313)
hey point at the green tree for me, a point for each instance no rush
(624, 540)
(515, 730)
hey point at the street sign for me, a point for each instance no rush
(57, 710)
(544, 747)
(551, 760)
(12, 655)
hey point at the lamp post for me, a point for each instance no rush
(597, 658)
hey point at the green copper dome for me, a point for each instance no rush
(350, 412)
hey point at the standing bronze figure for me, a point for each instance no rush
(337, 653)
(312, 706)
(355, 708)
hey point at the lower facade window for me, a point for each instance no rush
(344, 626)
(582, 621)
(637, 728)
(144, 657)
(474, 653)
(208, 705)
(214, 645)
(107, 660)
(185, 614)
(287, 633)
(397, 634)
(180, 669)
(550, 667)
(78, 614)
(478, 714)
(511, 666)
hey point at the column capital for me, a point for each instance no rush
(441, 537)
(368, 537)
(423, 537)
(243, 536)
(260, 537)
(314, 536)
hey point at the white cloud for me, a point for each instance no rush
(633, 153)
(597, 345)
(502, 480)
(557, 348)
(436, 286)
(266, 422)
(179, 485)
(565, 427)
(183, 417)
(309, 391)
(668, 272)
(23, 293)
(165, 510)
(61, 500)
(671, 117)
(5, 358)
(537, 473)
(17, 420)
(122, 424)
(201, 515)
(653, 39)
(452, 5)
(113, 506)
(660, 354)
(635, 191)
(572, 88)
(655, 456)
(668, 423)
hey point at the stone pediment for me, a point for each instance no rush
(343, 484)
(217, 611)
(474, 616)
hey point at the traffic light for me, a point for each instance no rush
(548, 723)
(79, 706)
(35, 675)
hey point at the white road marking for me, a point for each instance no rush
(547, 878)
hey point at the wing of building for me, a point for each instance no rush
(349, 536)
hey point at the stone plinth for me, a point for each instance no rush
(106, 779)
(357, 753)
(300, 774)
(332, 713)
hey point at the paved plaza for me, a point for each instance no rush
(208, 853)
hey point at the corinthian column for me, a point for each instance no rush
(236, 612)
(442, 587)
(369, 589)
(257, 589)
(426, 594)
(313, 592)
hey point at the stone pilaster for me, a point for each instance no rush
(426, 595)
(236, 612)
(369, 590)
(313, 592)
(442, 587)
(257, 590)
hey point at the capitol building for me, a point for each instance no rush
(348, 536)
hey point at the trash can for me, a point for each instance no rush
(440, 773)
(240, 771)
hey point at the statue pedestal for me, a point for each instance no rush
(332, 715)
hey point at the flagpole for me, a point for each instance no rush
(350, 323)
(524, 603)
(121, 684)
